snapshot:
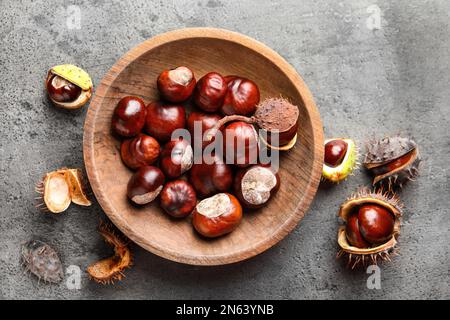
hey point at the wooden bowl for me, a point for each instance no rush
(203, 50)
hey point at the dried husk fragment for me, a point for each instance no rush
(111, 269)
(42, 260)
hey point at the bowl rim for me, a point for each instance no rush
(252, 44)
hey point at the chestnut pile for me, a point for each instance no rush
(164, 166)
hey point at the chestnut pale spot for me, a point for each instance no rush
(181, 75)
(146, 197)
(257, 184)
(132, 108)
(215, 206)
(187, 159)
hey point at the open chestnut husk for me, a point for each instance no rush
(139, 151)
(68, 86)
(176, 85)
(340, 159)
(178, 198)
(129, 116)
(216, 216)
(177, 157)
(59, 188)
(242, 96)
(162, 120)
(145, 185)
(254, 186)
(210, 177)
(210, 92)
(276, 116)
(393, 161)
(372, 226)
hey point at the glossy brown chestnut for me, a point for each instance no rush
(240, 144)
(129, 116)
(139, 151)
(176, 85)
(61, 90)
(210, 177)
(217, 215)
(353, 233)
(145, 185)
(335, 151)
(178, 198)
(254, 186)
(241, 97)
(205, 121)
(163, 119)
(176, 158)
(376, 223)
(210, 92)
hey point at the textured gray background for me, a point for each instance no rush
(365, 82)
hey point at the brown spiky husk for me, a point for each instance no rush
(78, 187)
(111, 269)
(362, 261)
(362, 257)
(386, 150)
(42, 260)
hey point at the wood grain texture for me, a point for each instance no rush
(203, 50)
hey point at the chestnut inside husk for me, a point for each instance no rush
(393, 161)
(372, 253)
(68, 86)
(340, 159)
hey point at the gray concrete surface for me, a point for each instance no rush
(367, 82)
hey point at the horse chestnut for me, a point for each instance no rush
(241, 97)
(176, 85)
(370, 225)
(162, 120)
(145, 185)
(353, 233)
(375, 223)
(217, 215)
(241, 143)
(139, 151)
(335, 151)
(210, 177)
(176, 158)
(178, 198)
(254, 186)
(61, 90)
(68, 86)
(210, 92)
(206, 121)
(129, 116)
